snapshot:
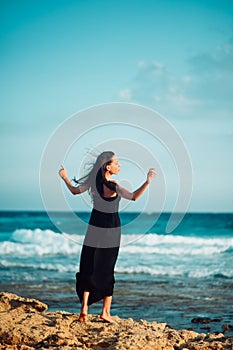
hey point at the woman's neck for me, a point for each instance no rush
(107, 176)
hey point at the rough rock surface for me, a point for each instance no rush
(25, 324)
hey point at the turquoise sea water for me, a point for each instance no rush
(165, 277)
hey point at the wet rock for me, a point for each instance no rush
(216, 320)
(202, 320)
(227, 327)
(208, 329)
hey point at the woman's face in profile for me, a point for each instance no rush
(114, 166)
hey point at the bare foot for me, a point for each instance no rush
(107, 318)
(82, 317)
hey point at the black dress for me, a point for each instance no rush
(100, 248)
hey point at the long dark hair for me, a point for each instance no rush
(96, 176)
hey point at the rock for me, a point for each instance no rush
(206, 328)
(9, 301)
(227, 327)
(26, 325)
(201, 320)
(216, 320)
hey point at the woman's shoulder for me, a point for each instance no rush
(111, 184)
(114, 181)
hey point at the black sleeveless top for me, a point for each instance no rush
(104, 224)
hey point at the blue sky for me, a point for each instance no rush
(59, 57)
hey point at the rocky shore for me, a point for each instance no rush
(26, 324)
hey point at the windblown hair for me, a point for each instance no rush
(96, 176)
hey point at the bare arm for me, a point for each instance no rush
(73, 189)
(133, 196)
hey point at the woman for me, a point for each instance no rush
(95, 280)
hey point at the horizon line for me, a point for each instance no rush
(120, 212)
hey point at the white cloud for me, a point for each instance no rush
(206, 85)
(157, 69)
(157, 98)
(125, 94)
(183, 102)
(212, 75)
(141, 64)
(186, 79)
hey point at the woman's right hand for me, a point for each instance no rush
(62, 172)
(151, 175)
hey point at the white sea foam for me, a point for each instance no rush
(175, 271)
(151, 254)
(41, 266)
(46, 242)
(175, 245)
(156, 270)
(38, 242)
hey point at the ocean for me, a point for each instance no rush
(172, 278)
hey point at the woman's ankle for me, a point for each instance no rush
(84, 310)
(105, 313)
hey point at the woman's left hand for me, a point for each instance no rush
(151, 175)
(62, 172)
